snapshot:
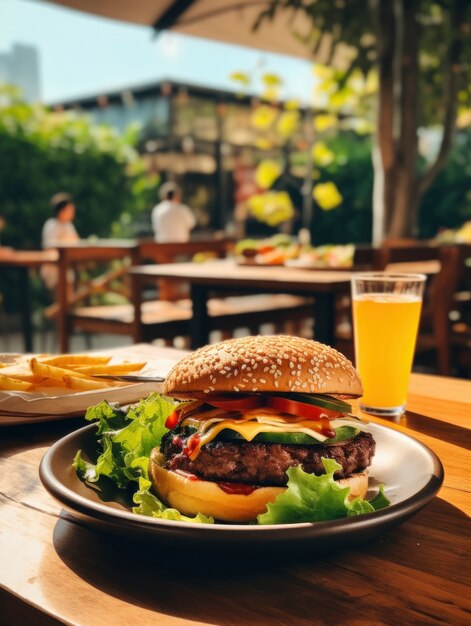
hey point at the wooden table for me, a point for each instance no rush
(55, 570)
(22, 261)
(227, 276)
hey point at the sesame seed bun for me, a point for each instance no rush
(191, 497)
(278, 363)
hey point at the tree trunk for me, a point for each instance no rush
(397, 188)
(395, 195)
(384, 154)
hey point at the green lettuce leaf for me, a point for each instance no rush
(311, 498)
(126, 439)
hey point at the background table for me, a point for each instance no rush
(56, 570)
(227, 276)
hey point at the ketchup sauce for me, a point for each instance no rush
(236, 488)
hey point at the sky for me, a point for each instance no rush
(85, 55)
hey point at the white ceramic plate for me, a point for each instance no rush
(411, 472)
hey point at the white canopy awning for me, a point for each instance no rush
(228, 21)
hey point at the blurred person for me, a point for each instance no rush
(172, 221)
(58, 230)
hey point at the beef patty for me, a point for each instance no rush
(265, 463)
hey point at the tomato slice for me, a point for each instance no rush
(235, 402)
(286, 405)
(172, 420)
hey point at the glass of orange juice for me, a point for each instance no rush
(386, 314)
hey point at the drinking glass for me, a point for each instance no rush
(386, 314)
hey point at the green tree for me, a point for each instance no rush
(43, 152)
(420, 50)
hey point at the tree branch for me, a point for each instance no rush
(452, 69)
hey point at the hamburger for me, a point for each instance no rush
(252, 408)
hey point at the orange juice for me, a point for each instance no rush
(385, 327)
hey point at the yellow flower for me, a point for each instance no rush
(327, 196)
(263, 117)
(240, 77)
(266, 174)
(324, 122)
(271, 94)
(321, 154)
(287, 123)
(322, 71)
(272, 80)
(271, 207)
(291, 105)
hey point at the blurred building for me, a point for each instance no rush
(202, 138)
(20, 67)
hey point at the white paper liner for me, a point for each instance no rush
(60, 402)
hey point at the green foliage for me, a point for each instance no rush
(43, 152)
(344, 35)
(352, 174)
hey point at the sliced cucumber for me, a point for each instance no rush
(326, 402)
(341, 434)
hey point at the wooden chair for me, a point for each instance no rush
(461, 317)
(72, 296)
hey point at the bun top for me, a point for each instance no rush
(278, 363)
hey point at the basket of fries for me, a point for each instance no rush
(66, 385)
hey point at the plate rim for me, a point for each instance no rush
(101, 512)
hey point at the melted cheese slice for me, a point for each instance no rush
(251, 423)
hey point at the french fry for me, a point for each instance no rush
(117, 368)
(47, 383)
(81, 384)
(70, 360)
(73, 371)
(24, 374)
(7, 383)
(51, 371)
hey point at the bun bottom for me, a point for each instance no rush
(191, 497)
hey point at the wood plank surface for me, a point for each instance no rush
(226, 273)
(54, 569)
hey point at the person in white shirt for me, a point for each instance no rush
(58, 230)
(171, 220)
